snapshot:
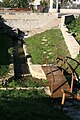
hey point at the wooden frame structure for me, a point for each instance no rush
(67, 90)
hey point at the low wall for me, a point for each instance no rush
(65, 11)
(71, 43)
(70, 11)
(27, 21)
(35, 70)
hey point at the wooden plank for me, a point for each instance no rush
(59, 83)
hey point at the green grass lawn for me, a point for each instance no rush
(28, 105)
(27, 81)
(50, 43)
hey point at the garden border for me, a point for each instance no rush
(72, 44)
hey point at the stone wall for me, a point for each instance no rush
(71, 43)
(27, 21)
(67, 11)
(70, 11)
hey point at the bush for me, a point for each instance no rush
(74, 28)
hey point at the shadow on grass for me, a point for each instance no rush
(10, 39)
(28, 105)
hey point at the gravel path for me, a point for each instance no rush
(72, 108)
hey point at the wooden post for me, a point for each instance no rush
(63, 66)
(63, 97)
(53, 80)
(46, 65)
(72, 83)
(63, 100)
